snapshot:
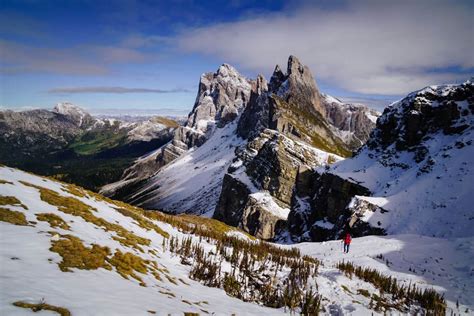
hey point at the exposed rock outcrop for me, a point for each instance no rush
(353, 122)
(413, 174)
(292, 104)
(272, 164)
(325, 213)
(75, 114)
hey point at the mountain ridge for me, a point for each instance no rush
(253, 107)
(70, 143)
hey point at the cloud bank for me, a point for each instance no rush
(75, 60)
(116, 90)
(369, 47)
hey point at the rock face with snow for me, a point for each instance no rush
(244, 139)
(353, 122)
(289, 135)
(271, 164)
(221, 98)
(75, 114)
(414, 175)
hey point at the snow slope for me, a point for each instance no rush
(193, 182)
(446, 265)
(431, 195)
(29, 270)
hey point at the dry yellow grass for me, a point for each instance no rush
(53, 220)
(11, 200)
(75, 255)
(5, 182)
(127, 264)
(13, 217)
(73, 206)
(43, 306)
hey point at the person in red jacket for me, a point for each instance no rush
(347, 241)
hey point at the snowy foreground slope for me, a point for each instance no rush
(70, 248)
(29, 270)
(445, 264)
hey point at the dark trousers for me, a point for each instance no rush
(346, 248)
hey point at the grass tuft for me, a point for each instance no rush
(11, 200)
(76, 255)
(127, 264)
(53, 220)
(13, 217)
(142, 221)
(43, 306)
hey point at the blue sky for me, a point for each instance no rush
(135, 55)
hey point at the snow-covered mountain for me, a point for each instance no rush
(221, 97)
(414, 175)
(67, 250)
(232, 113)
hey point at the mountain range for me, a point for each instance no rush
(70, 144)
(240, 208)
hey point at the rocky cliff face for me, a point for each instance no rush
(353, 122)
(245, 149)
(413, 176)
(221, 98)
(271, 165)
(292, 104)
(292, 128)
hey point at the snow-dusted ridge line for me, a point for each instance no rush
(426, 188)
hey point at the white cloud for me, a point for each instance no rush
(115, 90)
(75, 60)
(373, 47)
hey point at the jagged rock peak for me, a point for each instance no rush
(261, 85)
(297, 86)
(227, 70)
(221, 97)
(294, 66)
(277, 78)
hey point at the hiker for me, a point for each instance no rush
(347, 241)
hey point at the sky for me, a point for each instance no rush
(133, 56)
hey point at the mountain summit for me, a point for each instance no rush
(235, 120)
(74, 113)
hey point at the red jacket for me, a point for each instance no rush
(347, 239)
